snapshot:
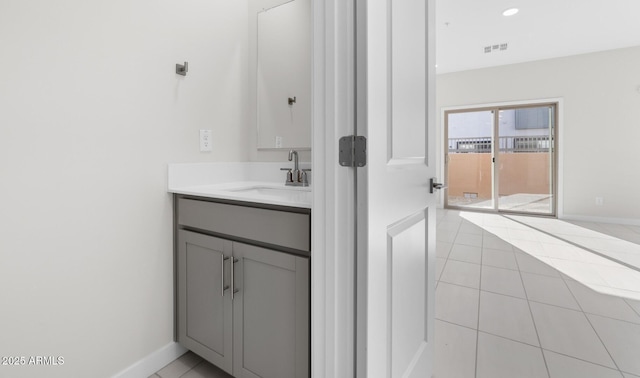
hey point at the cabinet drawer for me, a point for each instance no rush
(291, 230)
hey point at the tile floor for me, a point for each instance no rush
(190, 365)
(508, 306)
(511, 303)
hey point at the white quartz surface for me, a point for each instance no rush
(249, 182)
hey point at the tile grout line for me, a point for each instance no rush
(527, 344)
(456, 324)
(584, 312)
(533, 320)
(582, 359)
(625, 300)
(446, 259)
(510, 339)
(539, 302)
(193, 367)
(513, 270)
(455, 284)
(592, 327)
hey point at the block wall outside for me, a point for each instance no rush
(518, 173)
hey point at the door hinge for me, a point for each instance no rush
(353, 151)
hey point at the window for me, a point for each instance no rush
(532, 118)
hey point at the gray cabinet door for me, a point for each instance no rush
(204, 306)
(271, 314)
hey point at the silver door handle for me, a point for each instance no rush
(435, 185)
(222, 260)
(233, 281)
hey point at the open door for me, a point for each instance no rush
(396, 211)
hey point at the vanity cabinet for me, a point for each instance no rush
(243, 290)
(205, 323)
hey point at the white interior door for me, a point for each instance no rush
(396, 211)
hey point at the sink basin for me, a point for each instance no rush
(290, 193)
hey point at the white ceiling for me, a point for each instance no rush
(542, 29)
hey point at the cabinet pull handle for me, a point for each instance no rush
(233, 282)
(222, 260)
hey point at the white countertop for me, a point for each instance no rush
(252, 191)
(247, 182)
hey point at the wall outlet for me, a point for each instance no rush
(205, 141)
(599, 201)
(278, 142)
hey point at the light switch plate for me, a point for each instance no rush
(206, 144)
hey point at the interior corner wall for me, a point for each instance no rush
(599, 124)
(91, 112)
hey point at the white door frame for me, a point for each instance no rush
(333, 216)
(333, 270)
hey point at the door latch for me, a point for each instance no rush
(435, 185)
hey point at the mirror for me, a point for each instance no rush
(284, 76)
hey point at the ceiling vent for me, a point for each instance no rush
(497, 47)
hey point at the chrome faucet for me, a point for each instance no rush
(296, 176)
(293, 155)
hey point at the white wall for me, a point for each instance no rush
(91, 112)
(600, 122)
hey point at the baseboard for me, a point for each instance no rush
(153, 362)
(587, 218)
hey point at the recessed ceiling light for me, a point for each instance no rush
(510, 12)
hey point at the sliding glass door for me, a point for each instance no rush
(470, 147)
(501, 159)
(524, 159)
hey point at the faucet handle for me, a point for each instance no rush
(289, 174)
(303, 177)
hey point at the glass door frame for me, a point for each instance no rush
(495, 156)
